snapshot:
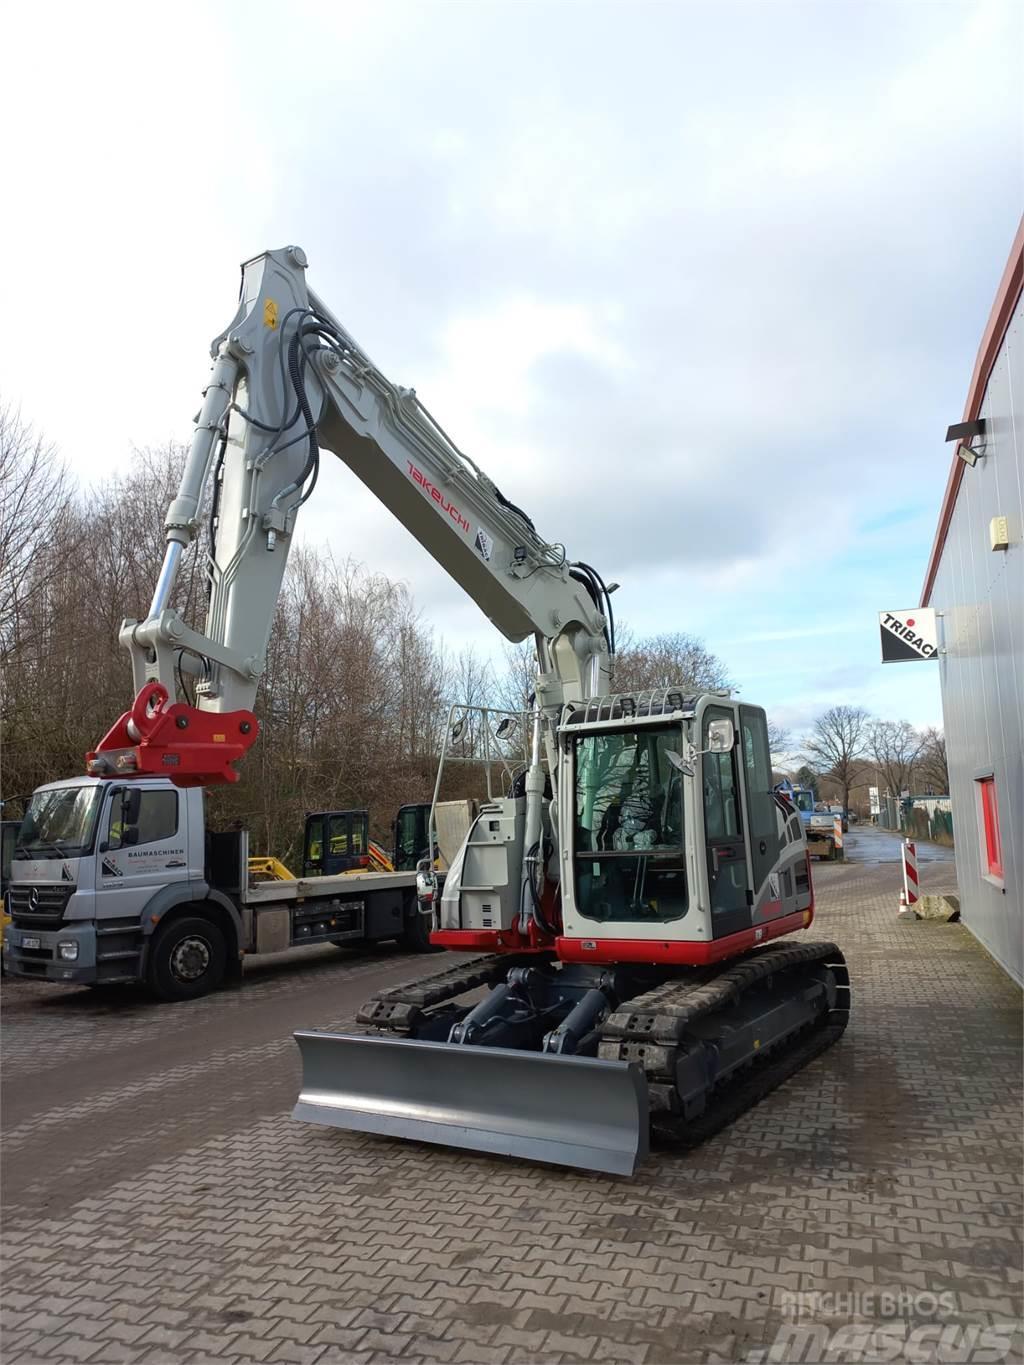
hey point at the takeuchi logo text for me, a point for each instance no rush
(433, 492)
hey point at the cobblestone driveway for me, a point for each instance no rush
(159, 1204)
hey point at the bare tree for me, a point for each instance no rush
(896, 747)
(839, 737)
(63, 676)
(780, 742)
(355, 694)
(351, 704)
(472, 685)
(933, 768)
(672, 660)
(515, 685)
(35, 497)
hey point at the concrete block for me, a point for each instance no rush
(945, 908)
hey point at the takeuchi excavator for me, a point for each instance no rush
(621, 904)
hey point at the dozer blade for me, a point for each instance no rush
(573, 1111)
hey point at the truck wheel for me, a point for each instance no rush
(416, 938)
(187, 959)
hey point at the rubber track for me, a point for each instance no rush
(399, 1008)
(651, 1028)
(735, 1099)
(673, 1006)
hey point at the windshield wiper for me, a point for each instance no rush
(26, 850)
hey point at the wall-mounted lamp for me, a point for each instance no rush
(965, 432)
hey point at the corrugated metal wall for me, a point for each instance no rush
(981, 593)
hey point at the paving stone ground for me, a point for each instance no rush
(159, 1204)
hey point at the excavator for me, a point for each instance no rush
(622, 906)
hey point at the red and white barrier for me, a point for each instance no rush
(911, 893)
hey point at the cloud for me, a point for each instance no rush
(694, 284)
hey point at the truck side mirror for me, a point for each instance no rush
(131, 803)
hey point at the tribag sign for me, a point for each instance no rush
(908, 635)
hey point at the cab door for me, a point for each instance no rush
(411, 837)
(726, 850)
(766, 839)
(143, 847)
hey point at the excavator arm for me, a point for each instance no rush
(288, 380)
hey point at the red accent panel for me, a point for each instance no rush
(1007, 294)
(676, 954)
(990, 819)
(161, 738)
(489, 941)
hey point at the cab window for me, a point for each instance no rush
(345, 834)
(765, 839)
(409, 837)
(721, 799)
(629, 860)
(157, 820)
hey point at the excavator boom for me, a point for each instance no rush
(288, 379)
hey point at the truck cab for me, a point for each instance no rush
(90, 858)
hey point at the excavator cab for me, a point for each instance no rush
(654, 997)
(681, 851)
(336, 841)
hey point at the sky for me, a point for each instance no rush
(700, 285)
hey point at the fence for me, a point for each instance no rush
(919, 817)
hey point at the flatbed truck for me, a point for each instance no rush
(115, 883)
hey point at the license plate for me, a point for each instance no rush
(31, 943)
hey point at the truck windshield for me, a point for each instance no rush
(59, 823)
(804, 800)
(629, 825)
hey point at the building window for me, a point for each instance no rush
(992, 848)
